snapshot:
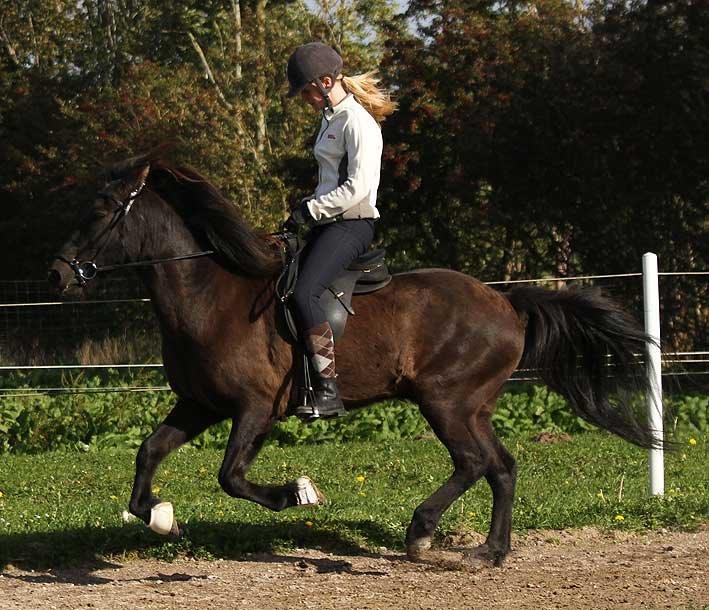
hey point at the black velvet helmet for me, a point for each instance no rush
(309, 63)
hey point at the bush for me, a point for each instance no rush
(43, 422)
(109, 419)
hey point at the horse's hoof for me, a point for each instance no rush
(483, 552)
(162, 519)
(175, 530)
(497, 557)
(307, 494)
(417, 549)
(128, 517)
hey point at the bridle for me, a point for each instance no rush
(87, 270)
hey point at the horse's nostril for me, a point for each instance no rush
(54, 278)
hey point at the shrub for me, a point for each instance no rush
(103, 419)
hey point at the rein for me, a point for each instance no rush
(87, 270)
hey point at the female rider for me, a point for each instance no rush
(343, 209)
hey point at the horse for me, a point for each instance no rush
(436, 337)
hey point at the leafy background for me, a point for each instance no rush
(546, 137)
(532, 138)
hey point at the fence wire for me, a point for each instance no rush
(20, 300)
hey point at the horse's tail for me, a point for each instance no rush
(586, 347)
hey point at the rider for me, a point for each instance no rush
(343, 209)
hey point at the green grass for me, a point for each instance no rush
(65, 506)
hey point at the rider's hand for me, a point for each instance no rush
(297, 204)
(299, 216)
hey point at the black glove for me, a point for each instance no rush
(299, 202)
(299, 216)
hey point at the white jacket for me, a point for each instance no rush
(348, 128)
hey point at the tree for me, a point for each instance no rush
(80, 107)
(534, 142)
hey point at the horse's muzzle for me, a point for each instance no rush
(60, 278)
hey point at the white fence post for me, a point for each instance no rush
(651, 298)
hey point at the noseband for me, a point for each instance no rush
(87, 270)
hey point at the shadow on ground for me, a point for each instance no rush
(234, 540)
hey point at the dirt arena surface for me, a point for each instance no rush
(547, 569)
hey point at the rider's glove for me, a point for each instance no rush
(299, 216)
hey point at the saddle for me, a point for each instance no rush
(367, 273)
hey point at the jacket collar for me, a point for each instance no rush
(346, 102)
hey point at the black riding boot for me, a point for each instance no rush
(326, 401)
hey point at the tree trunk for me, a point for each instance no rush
(8, 46)
(208, 70)
(236, 6)
(261, 82)
(35, 46)
(108, 25)
(562, 241)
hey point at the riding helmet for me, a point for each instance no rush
(309, 63)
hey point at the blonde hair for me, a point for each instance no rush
(366, 90)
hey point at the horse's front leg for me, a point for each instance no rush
(249, 430)
(186, 421)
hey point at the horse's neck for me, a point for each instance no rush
(192, 296)
(184, 291)
(181, 293)
(201, 302)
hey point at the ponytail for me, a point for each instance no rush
(373, 98)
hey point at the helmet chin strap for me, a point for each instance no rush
(325, 92)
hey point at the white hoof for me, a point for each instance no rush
(162, 518)
(128, 517)
(306, 493)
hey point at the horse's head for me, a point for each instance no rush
(102, 235)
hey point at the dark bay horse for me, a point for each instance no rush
(437, 337)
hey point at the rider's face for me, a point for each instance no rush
(311, 94)
(313, 97)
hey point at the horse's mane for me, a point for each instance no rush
(209, 215)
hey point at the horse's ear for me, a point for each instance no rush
(135, 180)
(142, 174)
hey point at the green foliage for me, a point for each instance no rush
(91, 421)
(383, 421)
(692, 412)
(102, 419)
(538, 127)
(532, 409)
(65, 506)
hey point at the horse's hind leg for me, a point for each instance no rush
(185, 422)
(469, 461)
(501, 475)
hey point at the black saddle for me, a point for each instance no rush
(366, 274)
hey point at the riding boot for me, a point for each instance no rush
(326, 397)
